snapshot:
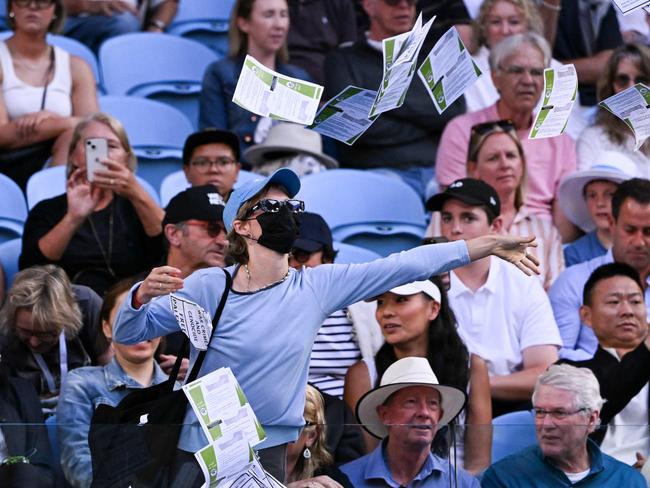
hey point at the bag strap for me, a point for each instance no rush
(215, 320)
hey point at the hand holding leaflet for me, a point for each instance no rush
(626, 7)
(560, 92)
(632, 107)
(448, 70)
(270, 94)
(345, 117)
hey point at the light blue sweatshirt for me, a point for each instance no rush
(266, 337)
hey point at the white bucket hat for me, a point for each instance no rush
(427, 287)
(288, 137)
(612, 166)
(412, 371)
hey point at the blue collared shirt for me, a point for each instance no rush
(529, 468)
(86, 388)
(372, 470)
(579, 340)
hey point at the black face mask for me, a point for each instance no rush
(279, 230)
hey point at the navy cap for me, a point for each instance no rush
(470, 191)
(198, 203)
(314, 233)
(210, 136)
(283, 177)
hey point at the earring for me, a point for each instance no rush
(306, 453)
(11, 15)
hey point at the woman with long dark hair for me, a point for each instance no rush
(416, 320)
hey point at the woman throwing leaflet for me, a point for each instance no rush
(273, 312)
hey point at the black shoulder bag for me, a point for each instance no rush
(134, 443)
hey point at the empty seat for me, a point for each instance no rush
(9, 254)
(366, 209)
(349, 254)
(204, 21)
(159, 66)
(512, 432)
(13, 209)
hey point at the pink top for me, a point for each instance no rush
(547, 160)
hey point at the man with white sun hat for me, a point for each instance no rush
(406, 410)
(585, 198)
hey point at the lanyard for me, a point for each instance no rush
(63, 363)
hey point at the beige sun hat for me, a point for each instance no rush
(288, 137)
(412, 371)
(611, 166)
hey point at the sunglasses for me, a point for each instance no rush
(270, 205)
(212, 228)
(624, 80)
(39, 4)
(42, 336)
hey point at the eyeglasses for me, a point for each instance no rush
(212, 228)
(203, 165)
(39, 4)
(540, 413)
(520, 70)
(394, 3)
(271, 205)
(480, 132)
(43, 336)
(622, 79)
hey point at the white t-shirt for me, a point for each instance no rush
(628, 432)
(509, 313)
(575, 477)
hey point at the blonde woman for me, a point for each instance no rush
(41, 322)
(309, 463)
(98, 232)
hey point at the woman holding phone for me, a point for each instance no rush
(273, 312)
(99, 231)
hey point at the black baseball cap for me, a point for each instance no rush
(470, 191)
(210, 136)
(198, 203)
(314, 233)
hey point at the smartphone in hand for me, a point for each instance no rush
(96, 150)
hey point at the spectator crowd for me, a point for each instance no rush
(522, 313)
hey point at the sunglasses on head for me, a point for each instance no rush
(270, 205)
(481, 131)
(212, 228)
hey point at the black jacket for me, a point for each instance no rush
(620, 381)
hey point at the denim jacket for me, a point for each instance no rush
(216, 106)
(84, 389)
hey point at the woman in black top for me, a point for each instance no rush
(102, 231)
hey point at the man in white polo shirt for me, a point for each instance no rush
(503, 315)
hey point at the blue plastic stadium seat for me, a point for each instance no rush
(9, 254)
(4, 25)
(156, 131)
(158, 66)
(204, 21)
(349, 254)
(50, 182)
(176, 182)
(512, 432)
(366, 209)
(13, 209)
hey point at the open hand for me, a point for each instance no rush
(514, 250)
(82, 197)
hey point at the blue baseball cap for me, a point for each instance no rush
(283, 177)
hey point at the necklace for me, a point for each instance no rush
(248, 283)
(106, 255)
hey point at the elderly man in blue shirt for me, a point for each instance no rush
(567, 406)
(406, 410)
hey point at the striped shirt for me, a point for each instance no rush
(549, 249)
(334, 351)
